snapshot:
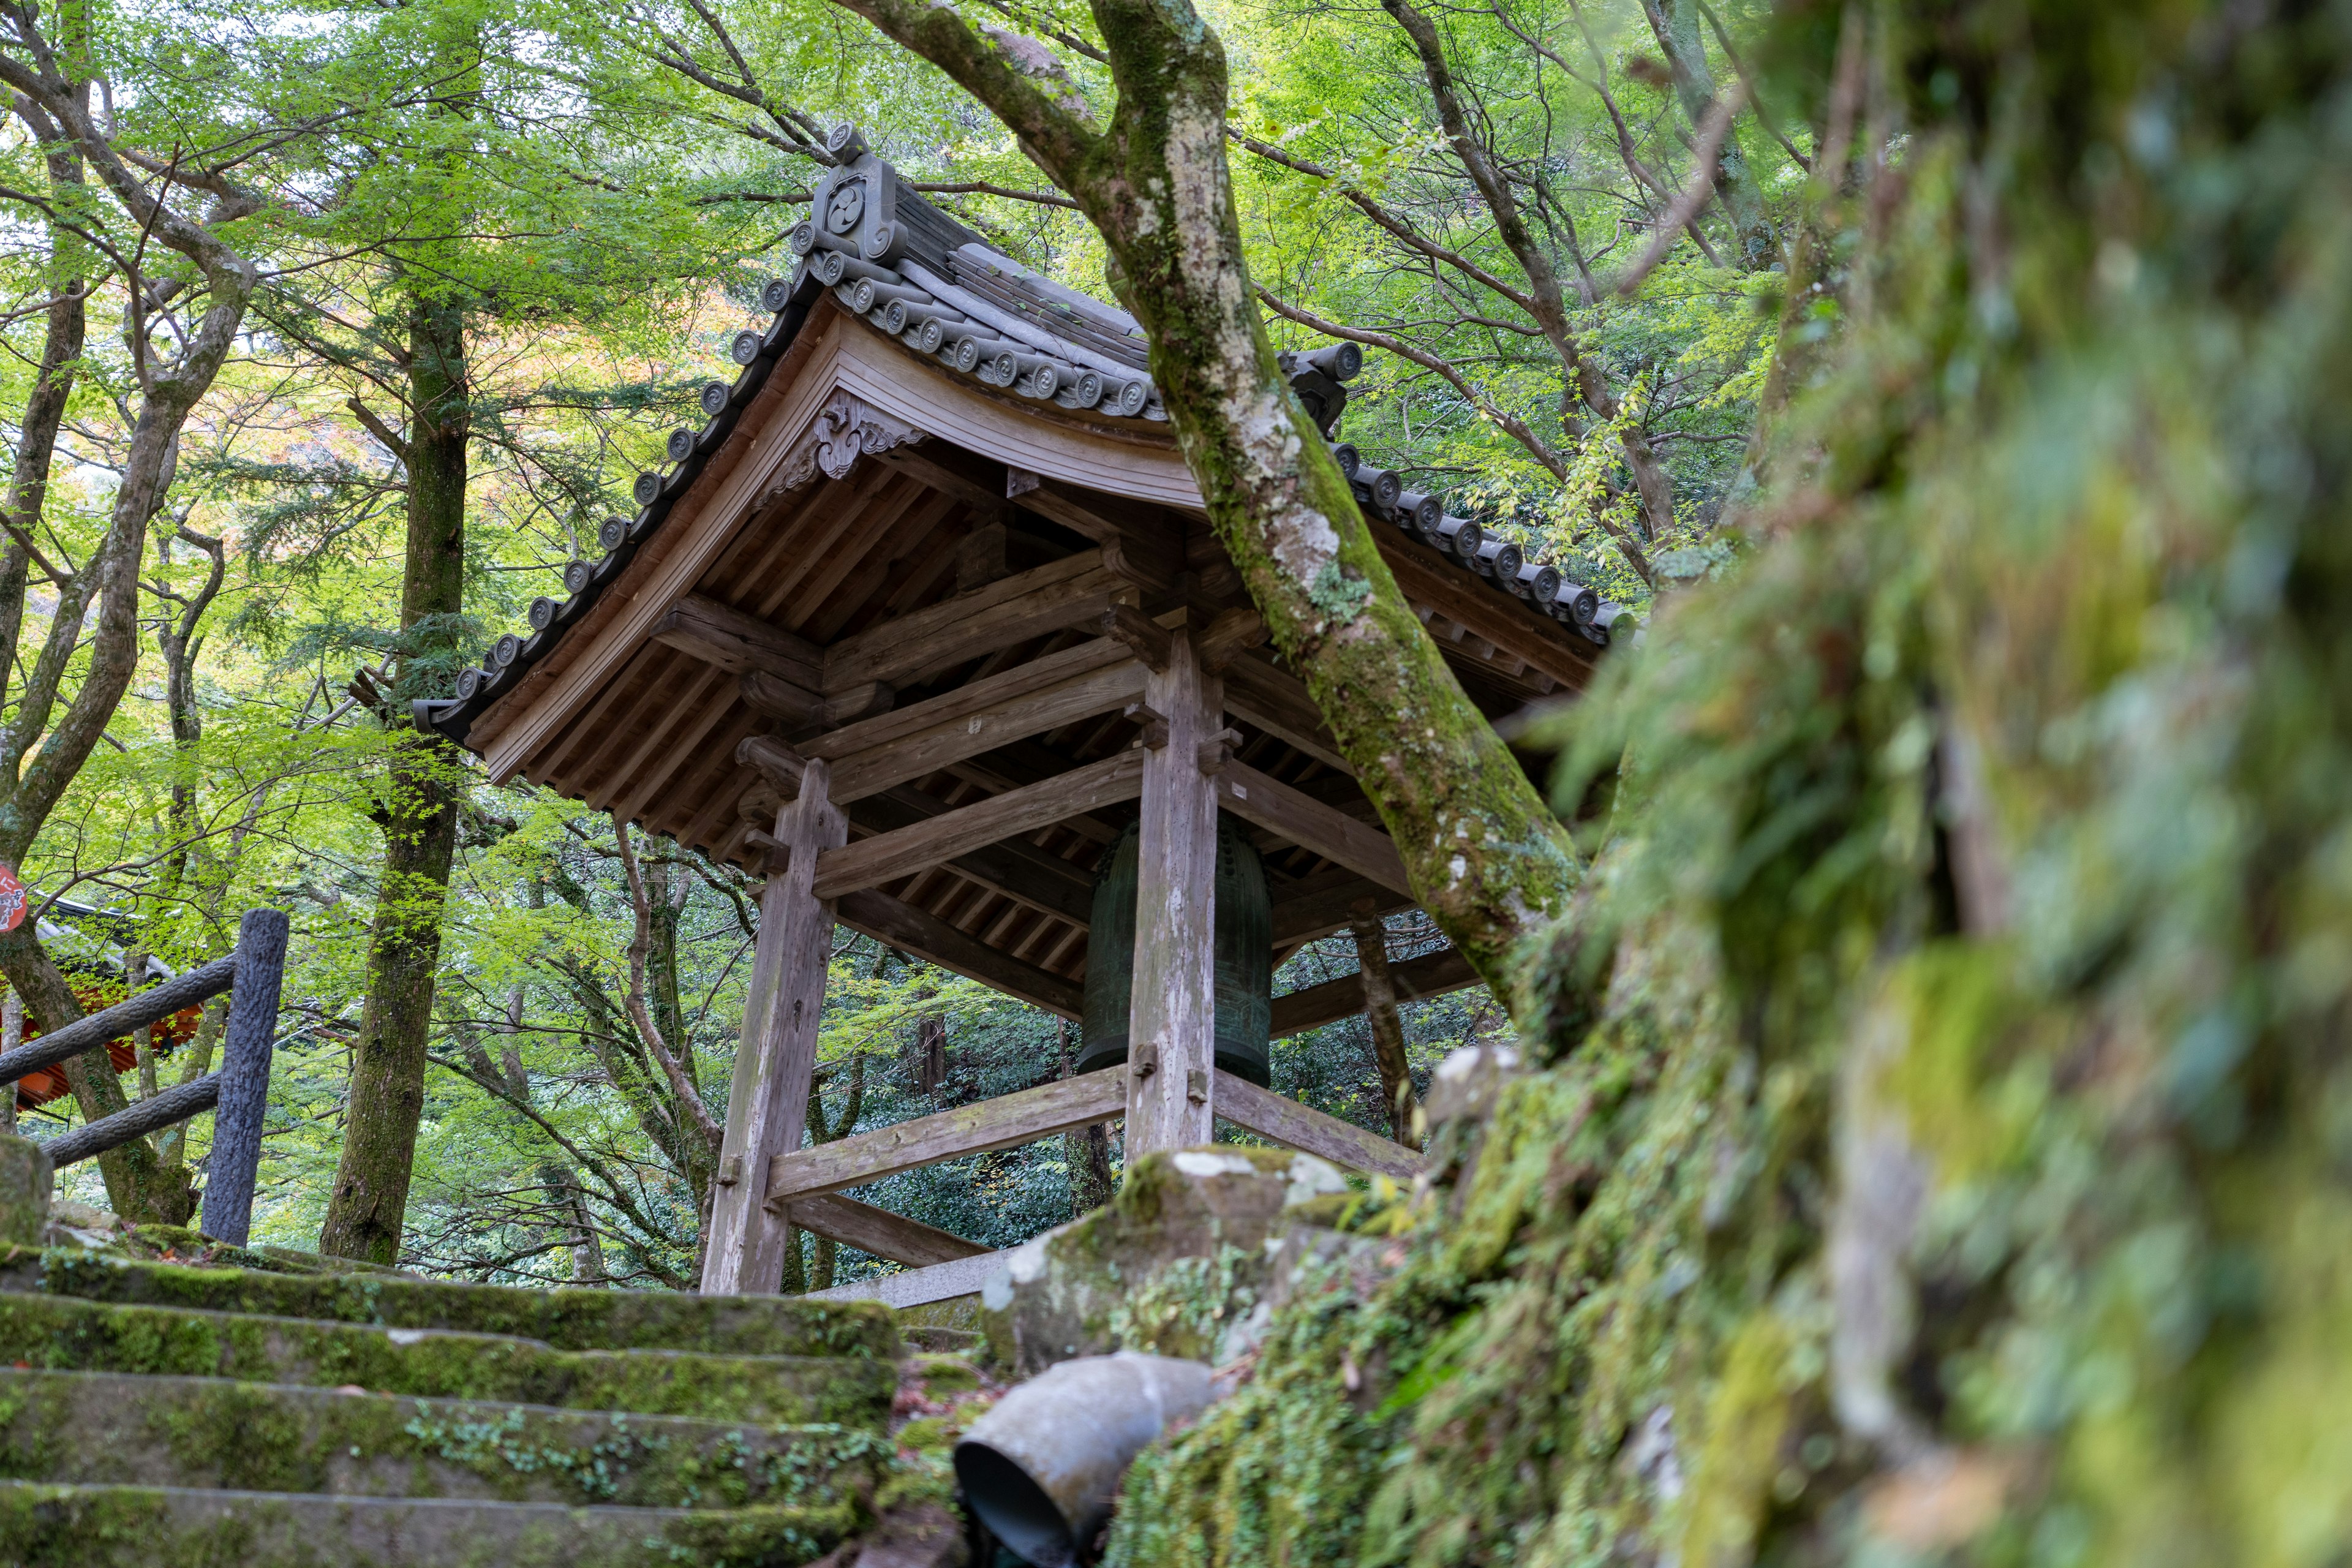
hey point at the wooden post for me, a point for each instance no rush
(236, 1160)
(1171, 1059)
(768, 1109)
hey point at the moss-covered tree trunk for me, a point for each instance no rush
(418, 814)
(1485, 856)
(1961, 1172)
(94, 623)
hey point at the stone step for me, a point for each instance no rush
(567, 1320)
(58, 1334)
(112, 1429)
(44, 1526)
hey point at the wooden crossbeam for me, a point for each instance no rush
(1326, 900)
(720, 635)
(943, 837)
(1277, 807)
(1140, 547)
(874, 913)
(1062, 1106)
(1277, 703)
(1431, 975)
(1016, 869)
(1012, 610)
(1045, 694)
(1310, 1131)
(879, 1231)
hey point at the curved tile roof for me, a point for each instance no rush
(907, 268)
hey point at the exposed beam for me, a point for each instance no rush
(777, 698)
(912, 930)
(941, 475)
(1141, 548)
(973, 696)
(1310, 1131)
(879, 1231)
(1015, 704)
(1064, 592)
(1415, 980)
(1064, 1105)
(1324, 901)
(1017, 869)
(720, 635)
(1025, 810)
(1308, 823)
(1277, 703)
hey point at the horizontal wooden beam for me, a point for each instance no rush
(720, 635)
(1062, 1106)
(1064, 592)
(1015, 867)
(1310, 1131)
(961, 725)
(1305, 821)
(973, 696)
(871, 912)
(1138, 545)
(1322, 903)
(1415, 979)
(1276, 702)
(796, 705)
(1025, 810)
(1427, 578)
(879, 1231)
(985, 499)
(920, 1287)
(148, 1006)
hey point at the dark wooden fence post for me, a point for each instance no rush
(245, 1076)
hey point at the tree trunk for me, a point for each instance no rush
(1484, 855)
(419, 815)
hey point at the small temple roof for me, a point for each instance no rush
(909, 272)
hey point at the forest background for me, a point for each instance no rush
(491, 253)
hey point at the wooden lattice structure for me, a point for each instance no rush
(914, 624)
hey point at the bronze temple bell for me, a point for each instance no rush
(1244, 948)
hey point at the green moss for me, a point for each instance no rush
(105, 1527)
(66, 1334)
(568, 1320)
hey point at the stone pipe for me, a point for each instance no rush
(1043, 1467)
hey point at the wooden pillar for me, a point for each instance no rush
(767, 1110)
(1171, 1058)
(235, 1164)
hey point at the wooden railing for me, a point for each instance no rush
(235, 1095)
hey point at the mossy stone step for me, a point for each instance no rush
(64, 1334)
(44, 1526)
(567, 1320)
(112, 1429)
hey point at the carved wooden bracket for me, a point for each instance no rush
(845, 429)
